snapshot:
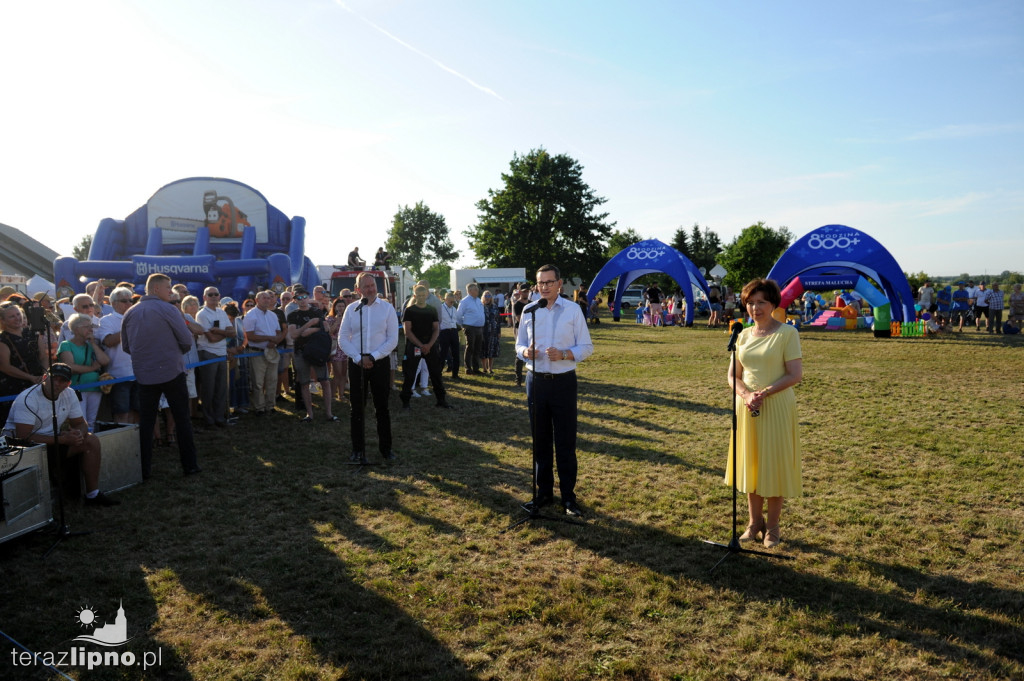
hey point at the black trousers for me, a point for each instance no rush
(376, 381)
(410, 362)
(176, 392)
(474, 347)
(552, 402)
(448, 348)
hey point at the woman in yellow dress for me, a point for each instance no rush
(768, 360)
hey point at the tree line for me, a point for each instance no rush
(544, 211)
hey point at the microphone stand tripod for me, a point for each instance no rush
(734, 544)
(531, 508)
(362, 461)
(53, 454)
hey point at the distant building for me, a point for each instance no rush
(21, 255)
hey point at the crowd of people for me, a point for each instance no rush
(967, 304)
(167, 359)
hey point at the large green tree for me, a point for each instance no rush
(544, 213)
(753, 253)
(418, 235)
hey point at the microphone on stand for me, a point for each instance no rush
(736, 328)
(362, 303)
(539, 305)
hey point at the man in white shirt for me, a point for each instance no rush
(448, 341)
(264, 331)
(31, 420)
(124, 398)
(368, 334)
(551, 352)
(213, 345)
(981, 305)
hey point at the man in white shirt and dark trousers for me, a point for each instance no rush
(213, 344)
(368, 334)
(264, 331)
(551, 352)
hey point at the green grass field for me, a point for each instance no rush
(281, 562)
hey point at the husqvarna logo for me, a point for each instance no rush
(635, 253)
(829, 242)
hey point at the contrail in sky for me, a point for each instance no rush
(440, 65)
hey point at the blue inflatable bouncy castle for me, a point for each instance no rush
(200, 231)
(837, 256)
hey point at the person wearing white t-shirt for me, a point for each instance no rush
(124, 398)
(981, 295)
(213, 345)
(31, 420)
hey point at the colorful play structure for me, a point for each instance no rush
(200, 231)
(649, 257)
(839, 257)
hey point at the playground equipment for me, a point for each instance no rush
(200, 231)
(837, 256)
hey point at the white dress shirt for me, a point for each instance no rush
(559, 325)
(376, 334)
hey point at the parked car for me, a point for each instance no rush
(632, 297)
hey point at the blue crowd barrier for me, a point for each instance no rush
(192, 365)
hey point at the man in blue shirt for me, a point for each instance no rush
(154, 333)
(471, 318)
(551, 352)
(961, 305)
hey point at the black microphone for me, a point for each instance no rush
(736, 328)
(362, 303)
(539, 305)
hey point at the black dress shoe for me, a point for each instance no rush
(389, 456)
(573, 509)
(542, 501)
(444, 405)
(358, 457)
(101, 499)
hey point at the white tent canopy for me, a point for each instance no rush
(37, 284)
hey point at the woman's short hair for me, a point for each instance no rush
(766, 287)
(189, 301)
(78, 319)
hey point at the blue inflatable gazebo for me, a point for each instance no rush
(649, 257)
(837, 253)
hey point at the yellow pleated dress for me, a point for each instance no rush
(768, 446)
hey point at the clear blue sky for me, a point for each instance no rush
(904, 119)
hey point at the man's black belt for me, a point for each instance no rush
(538, 374)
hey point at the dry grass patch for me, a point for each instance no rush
(282, 562)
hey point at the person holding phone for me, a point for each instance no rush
(213, 345)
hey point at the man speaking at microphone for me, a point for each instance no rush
(551, 352)
(368, 334)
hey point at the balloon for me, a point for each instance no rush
(926, 316)
(917, 308)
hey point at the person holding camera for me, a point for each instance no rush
(22, 357)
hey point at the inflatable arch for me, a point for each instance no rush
(837, 256)
(201, 231)
(649, 257)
